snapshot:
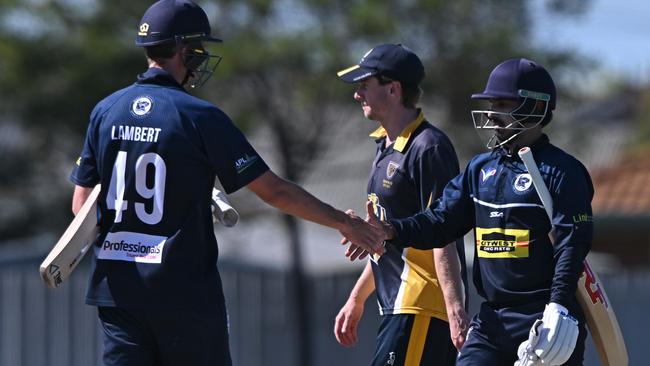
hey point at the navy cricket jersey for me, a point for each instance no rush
(515, 262)
(156, 151)
(404, 179)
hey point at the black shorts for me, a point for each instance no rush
(164, 338)
(413, 340)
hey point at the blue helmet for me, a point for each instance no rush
(169, 21)
(181, 22)
(525, 82)
(517, 76)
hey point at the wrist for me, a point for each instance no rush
(357, 299)
(343, 221)
(389, 230)
(455, 311)
(555, 307)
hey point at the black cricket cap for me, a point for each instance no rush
(394, 61)
(516, 78)
(171, 21)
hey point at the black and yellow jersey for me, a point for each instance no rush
(404, 179)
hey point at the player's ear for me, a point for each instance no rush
(394, 86)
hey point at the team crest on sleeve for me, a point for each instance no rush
(141, 106)
(391, 169)
(522, 184)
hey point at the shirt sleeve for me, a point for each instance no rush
(231, 155)
(85, 172)
(447, 218)
(436, 166)
(573, 230)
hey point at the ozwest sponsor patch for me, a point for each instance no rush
(132, 247)
(502, 243)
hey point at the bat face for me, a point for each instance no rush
(73, 244)
(601, 319)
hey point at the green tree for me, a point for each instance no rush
(57, 59)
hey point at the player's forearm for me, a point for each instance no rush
(294, 200)
(421, 231)
(448, 270)
(298, 202)
(79, 196)
(364, 287)
(568, 269)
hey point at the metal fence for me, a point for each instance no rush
(40, 326)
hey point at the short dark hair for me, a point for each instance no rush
(410, 93)
(161, 52)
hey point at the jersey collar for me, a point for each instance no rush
(158, 76)
(404, 136)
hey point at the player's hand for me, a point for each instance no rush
(345, 325)
(553, 338)
(368, 236)
(526, 350)
(353, 252)
(458, 326)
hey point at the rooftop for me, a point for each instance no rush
(623, 188)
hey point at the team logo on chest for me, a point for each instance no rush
(391, 169)
(141, 106)
(522, 184)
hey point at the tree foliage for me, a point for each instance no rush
(58, 58)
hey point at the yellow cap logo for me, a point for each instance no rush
(144, 28)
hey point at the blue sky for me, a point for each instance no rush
(615, 33)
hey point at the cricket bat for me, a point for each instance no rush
(83, 230)
(73, 244)
(601, 319)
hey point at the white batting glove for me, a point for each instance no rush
(222, 211)
(555, 338)
(558, 336)
(526, 350)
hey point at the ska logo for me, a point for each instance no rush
(523, 182)
(391, 169)
(141, 106)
